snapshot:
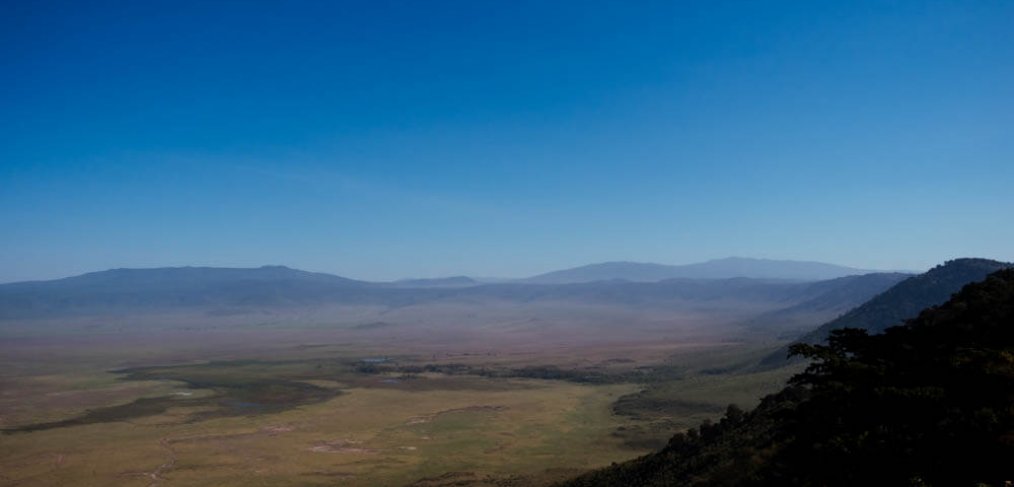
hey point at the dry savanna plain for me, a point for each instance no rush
(360, 396)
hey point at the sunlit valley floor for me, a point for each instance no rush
(276, 406)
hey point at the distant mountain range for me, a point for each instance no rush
(713, 269)
(231, 290)
(728, 268)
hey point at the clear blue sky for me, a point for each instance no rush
(384, 139)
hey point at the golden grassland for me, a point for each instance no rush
(365, 436)
(388, 428)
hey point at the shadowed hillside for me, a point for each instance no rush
(927, 403)
(832, 297)
(903, 301)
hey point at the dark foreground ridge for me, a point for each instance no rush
(927, 403)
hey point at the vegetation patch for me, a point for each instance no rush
(239, 388)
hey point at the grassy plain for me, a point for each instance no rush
(270, 406)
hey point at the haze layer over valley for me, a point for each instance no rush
(268, 356)
(445, 314)
(592, 341)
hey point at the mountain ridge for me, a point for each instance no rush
(728, 267)
(902, 301)
(724, 268)
(162, 290)
(192, 273)
(922, 291)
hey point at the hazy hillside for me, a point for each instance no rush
(832, 297)
(121, 290)
(714, 269)
(777, 294)
(927, 403)
(903, 301)
(166, 278)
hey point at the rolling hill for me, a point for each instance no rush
(727, 268)
(833, 297)
(122, 290)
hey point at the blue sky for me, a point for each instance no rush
(381, 140)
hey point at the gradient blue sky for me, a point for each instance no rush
(381, 139)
